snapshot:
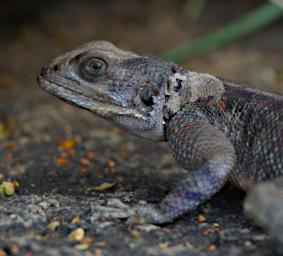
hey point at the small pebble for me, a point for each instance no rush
(207, 232)
(61, 161)
(188, 245)
(97, 252)
(248, 243)
(101, 244)
(53, 225)
(90, 154)
(82, 247)
(75, 219)
(83, 170)
(201, 218)
(216, 225)
(110, 165)
(164, 245)
(15, 183)
(86, 240)
(84, 161)
(148, 227)
(211, 248)
(135, 235)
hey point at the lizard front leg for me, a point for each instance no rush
(208, 156)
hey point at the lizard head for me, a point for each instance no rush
(126, 88)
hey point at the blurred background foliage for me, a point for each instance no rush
(237, 39)
(247, 23)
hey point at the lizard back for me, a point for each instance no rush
(255, 127)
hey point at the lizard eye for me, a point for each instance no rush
(146, 96)
(91, 68)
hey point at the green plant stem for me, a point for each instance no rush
(253, 21)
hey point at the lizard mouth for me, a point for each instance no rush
(100, 106)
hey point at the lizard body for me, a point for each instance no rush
(216, 129)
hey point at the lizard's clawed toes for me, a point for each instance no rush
(140, 213)
(114, 209)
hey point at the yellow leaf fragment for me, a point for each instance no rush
(104, 186)
(77, 234)
(7, 188)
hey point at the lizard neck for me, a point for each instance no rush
(187, 86)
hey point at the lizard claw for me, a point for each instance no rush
(115, 209)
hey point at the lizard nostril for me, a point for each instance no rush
(56, 68)
(49, 69)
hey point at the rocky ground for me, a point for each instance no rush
(63, 161)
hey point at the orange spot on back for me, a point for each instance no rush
(221, 104)
(188, 126)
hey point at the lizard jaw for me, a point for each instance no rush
(96, 106)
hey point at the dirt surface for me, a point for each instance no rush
(63, 160)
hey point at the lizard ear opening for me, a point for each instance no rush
(146, 96)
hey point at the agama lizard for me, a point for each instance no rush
(216, 129)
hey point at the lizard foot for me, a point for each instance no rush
(141, 213)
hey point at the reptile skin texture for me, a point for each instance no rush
(216, 129)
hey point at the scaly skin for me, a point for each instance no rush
(216, 129)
